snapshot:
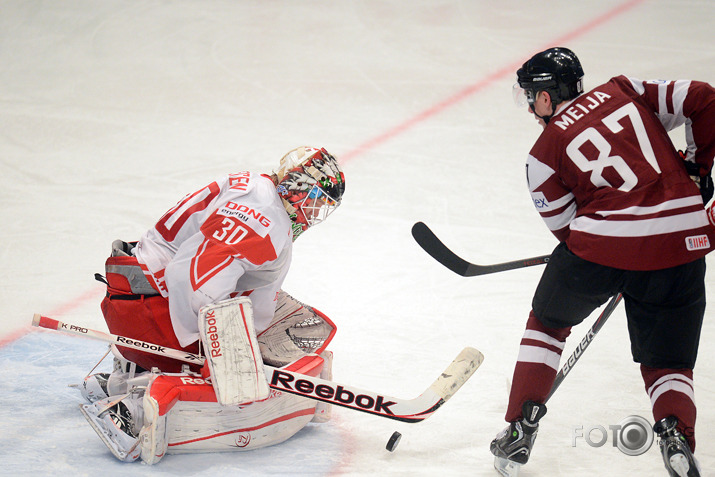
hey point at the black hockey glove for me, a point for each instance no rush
(704, 182)
(706, 188)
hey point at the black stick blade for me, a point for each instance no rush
(439, 251)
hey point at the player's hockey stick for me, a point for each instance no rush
(281, 379)
(581, 348)
(439, 251)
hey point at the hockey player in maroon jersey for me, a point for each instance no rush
(207, 279)
(628, 211)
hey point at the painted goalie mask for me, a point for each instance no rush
(311, 184)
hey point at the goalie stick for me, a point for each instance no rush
(281, 379)
(439, 251)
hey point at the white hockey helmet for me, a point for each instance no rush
(311, 184)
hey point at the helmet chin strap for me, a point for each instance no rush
(546, 119)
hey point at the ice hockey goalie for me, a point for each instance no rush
(148, 414)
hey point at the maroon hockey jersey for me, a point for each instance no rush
(606, 178)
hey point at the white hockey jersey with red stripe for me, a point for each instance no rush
(232, 237)
(606, 178)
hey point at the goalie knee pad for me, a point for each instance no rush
(296, 330)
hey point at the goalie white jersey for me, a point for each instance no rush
(232, 237)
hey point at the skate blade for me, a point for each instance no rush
(506, 467)
(679, 464)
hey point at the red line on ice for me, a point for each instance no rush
(90, 294)
(465, 93)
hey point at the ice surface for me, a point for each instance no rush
(112, 110)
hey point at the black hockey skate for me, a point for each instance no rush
(678, 458)
(512, 446)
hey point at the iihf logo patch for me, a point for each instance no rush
(697, 242)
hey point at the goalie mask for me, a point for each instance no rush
(311, 185)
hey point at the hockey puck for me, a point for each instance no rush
(394, 440)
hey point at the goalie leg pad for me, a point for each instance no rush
(181, 415)
(209, 427)
(232, 352)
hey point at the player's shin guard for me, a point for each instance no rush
(671, 393)
(232, 353)
(536, 367)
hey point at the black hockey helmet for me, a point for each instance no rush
(556, 71)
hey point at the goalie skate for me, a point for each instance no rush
(114, 422)
(124, 377)
(94, 387)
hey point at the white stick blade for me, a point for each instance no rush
(458, 372)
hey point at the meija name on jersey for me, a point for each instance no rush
(331, 394)
(591, 102)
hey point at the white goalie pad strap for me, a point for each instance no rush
(153, 437)
(232, 351)
(323, 410)
(296, 330)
